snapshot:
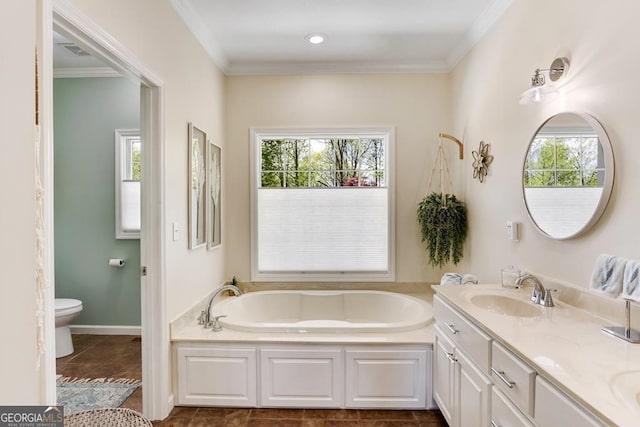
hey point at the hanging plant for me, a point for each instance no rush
(443, 225)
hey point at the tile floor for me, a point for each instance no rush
(119, 356)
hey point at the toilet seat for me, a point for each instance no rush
(65, 306)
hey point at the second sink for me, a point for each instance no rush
(505, 305)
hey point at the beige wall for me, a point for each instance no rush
(416, 104)
(195, 93)
(17, 215)
(602, 42)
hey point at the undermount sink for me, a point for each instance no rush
(626, 388)
(508, 306)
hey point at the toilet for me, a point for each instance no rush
(67, 309)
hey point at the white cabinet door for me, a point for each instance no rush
(387, 378)
(504, 413)
(473, 396)
(216, 376)
(443, 376)
(554, 408)
(300, 377)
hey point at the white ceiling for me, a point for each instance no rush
(268, 36)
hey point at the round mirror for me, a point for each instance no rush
(567, 175)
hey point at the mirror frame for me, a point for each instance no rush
(609, 177)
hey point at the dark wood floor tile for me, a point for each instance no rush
(388, 423)
(273, 422)
(183, 411)
(277, 413)
(214, 422)
(377, 414)
(134, 401)
(433, 415)
(173, 422)
(310, 422)
(331, 414)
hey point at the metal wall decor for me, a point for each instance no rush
(481, 161)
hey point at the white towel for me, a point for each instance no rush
(451, 279)
(608, 274)
(631, 281)
(458, 279)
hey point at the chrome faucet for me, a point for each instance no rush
(539, 295)
(205, 315)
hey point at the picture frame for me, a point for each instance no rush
(214, 193)
(197, 180)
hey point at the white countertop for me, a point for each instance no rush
(567, 347)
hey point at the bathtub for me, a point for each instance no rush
(302, 311)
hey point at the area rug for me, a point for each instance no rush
(82, 394)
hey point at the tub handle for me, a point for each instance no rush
(452, 328)
(217, 326)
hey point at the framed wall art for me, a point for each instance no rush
(214, 191)
(197, 142)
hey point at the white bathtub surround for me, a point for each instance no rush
(324, 312)
(564, 345)
(374, 369)
(607, 274)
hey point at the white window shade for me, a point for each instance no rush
(130, 206)
(323, 230)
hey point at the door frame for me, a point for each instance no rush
(69, 21)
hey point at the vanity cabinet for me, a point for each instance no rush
(515, 378)
(462, 359)
(479, 382)
(444, 375)
(504, 413)
(554, 408)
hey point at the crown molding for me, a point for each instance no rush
(480, 27)
(288, 68)
(201, 32)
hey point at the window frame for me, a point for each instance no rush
(123, 138)
(257, 135)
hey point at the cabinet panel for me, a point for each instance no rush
(301, 377)
(504, 413)
(474, 390)
(443, 375)
(463, 334)
(514, 377)
(387, 379)
(216, 376)
(554, 408)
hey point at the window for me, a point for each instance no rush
(128, 172)
(322, 205)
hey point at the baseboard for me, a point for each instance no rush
(106, 330)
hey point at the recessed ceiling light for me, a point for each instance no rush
(316, 38)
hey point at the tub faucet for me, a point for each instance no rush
(539, 295)
(205, 315)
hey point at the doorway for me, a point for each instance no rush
(69, 22)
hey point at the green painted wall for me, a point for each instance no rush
(86, 113)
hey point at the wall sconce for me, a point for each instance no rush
(539, 90)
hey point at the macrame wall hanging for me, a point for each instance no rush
(442, 217)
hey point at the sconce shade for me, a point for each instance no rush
(539, 90)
